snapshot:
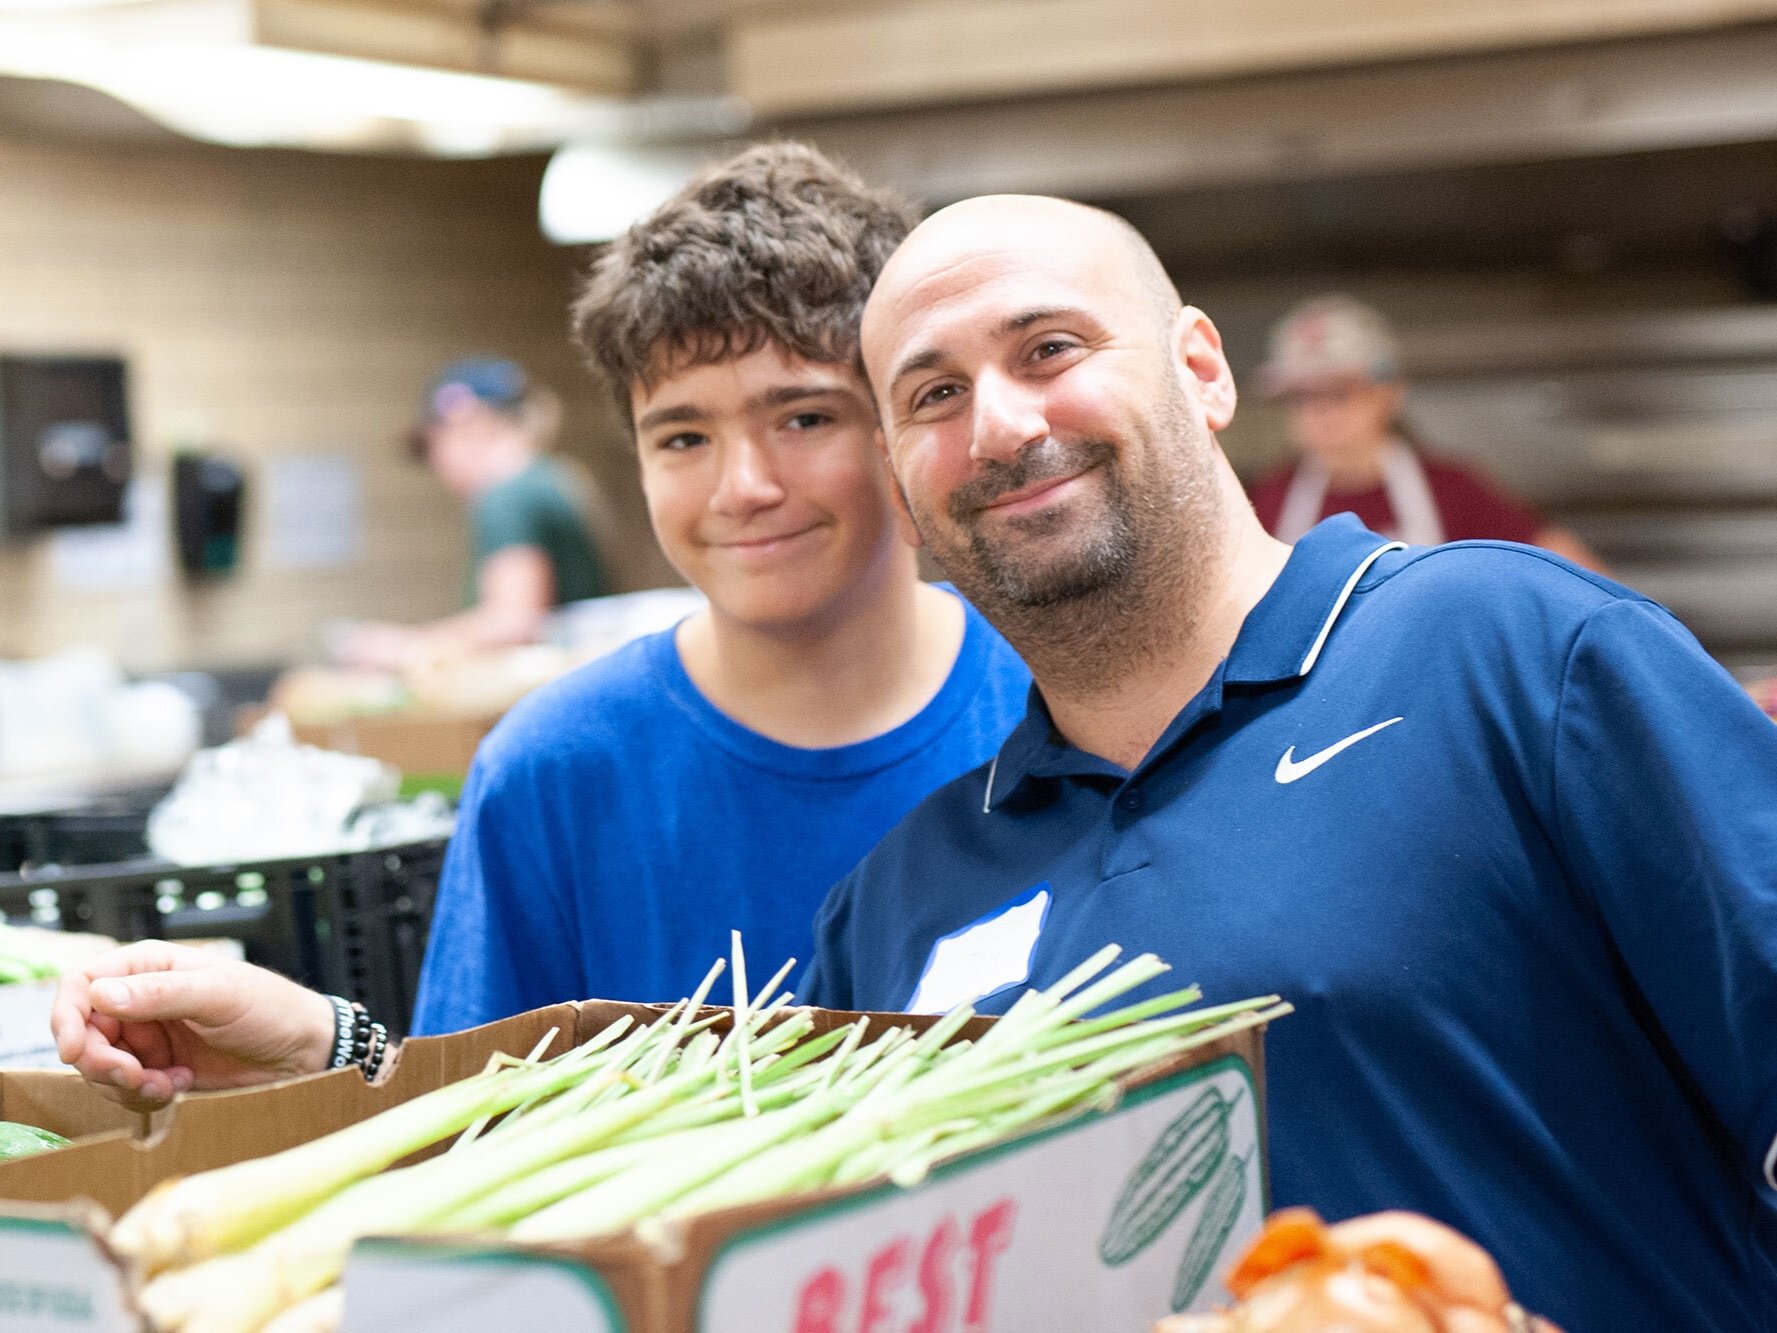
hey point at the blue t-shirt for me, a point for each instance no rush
(615, 826)
(1507, 839)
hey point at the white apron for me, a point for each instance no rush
(1403, 480)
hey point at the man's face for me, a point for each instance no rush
(764, 485)
(1034, 417)
(1343, 423)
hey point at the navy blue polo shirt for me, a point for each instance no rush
(1507, 839)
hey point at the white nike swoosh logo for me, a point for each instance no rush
(1289, 768)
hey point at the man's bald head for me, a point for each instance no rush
(1023, 224)
(1048, 409)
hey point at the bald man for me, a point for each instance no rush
(1498, 827)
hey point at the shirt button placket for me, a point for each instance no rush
(1122, 853)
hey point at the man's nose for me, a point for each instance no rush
(1008, 416)
(749, 480)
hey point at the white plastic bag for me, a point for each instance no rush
(265, 797)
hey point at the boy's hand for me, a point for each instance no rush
(150, 1020)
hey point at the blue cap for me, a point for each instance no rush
(489, 380)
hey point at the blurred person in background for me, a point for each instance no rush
(1335, 364)
(485, 430)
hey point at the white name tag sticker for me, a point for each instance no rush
(987, 955)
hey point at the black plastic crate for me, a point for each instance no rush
(98, 831)
(352, 924)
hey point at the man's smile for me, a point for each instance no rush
(1036, 495)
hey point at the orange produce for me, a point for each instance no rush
(1385, 1273)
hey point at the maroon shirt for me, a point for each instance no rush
(1470, 504)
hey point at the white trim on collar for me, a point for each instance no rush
(1771, 1165)
(1320, 640)
(987, 796)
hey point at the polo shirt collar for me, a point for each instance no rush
(1280, 639)
(1282, 636)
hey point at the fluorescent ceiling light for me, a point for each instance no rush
(211, 83)
(58, 6)
(193, 66)
(593, 192)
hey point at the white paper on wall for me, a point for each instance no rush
(314, 511)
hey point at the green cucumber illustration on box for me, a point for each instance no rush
(1221, 1210)
(1171, 1174)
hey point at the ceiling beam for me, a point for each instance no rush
(573, 51)
(1522, 107)
(822, 58)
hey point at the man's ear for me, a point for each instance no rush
(903, 515)
(1203, 367)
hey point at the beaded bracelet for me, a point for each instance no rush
(356, 1039)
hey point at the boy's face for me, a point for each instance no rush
(764, 485)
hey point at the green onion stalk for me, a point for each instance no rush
(645, 1128)
(241, 1291)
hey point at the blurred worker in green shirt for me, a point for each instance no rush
(483, 430)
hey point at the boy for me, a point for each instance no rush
(725, 775)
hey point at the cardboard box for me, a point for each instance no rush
(419, 744)
(62, 1102)
(55, 1271)
(1002, 1239)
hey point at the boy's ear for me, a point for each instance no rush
(903, 515)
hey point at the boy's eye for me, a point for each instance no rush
(808, 420)
(685, 439)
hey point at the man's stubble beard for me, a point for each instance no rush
(1098, 557)
(1126, 586)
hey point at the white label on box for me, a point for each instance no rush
(396, 1288)
(1107, 1225)
(52, 1277)
(25, 1040)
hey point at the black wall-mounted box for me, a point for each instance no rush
(64, 442)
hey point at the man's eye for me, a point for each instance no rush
(1051, 347)
(932, 397)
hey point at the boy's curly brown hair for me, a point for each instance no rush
(779, 244)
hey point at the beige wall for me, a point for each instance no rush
(283, 302)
